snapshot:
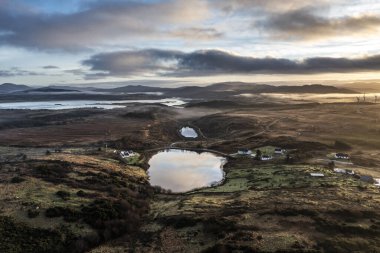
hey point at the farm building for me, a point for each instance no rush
(279, 151)
(317, 174)
(266, 158)
(244, 151)
(344, 171)
(126, 154)
(342, 156)
(338, 170)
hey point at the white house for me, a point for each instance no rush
(266, 158)
(342, 156)
(126, 154)
(279, 151)
(338, 170)
(317, 174)
(244, 151)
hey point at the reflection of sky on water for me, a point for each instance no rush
(181, 171)
(188, 132)
(74, 104)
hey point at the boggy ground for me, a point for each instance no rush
(264, 207)
(84, 196)
(69, 202)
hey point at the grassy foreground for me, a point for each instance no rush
(264, 208)
(69, 202)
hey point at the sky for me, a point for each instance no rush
(176, 42)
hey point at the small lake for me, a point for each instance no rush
(182, 170)
(76, 104)
(188, 132)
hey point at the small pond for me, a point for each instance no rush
(182, 170)
(188, 132)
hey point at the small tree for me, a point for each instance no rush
(331, 165)
(258, 155)
(47, 152)
(288, 159)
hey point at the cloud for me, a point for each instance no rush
(101, 22)
(194, 33)
(141, 62)
(77, 72)
(216, 62)
(303, 20)
(17, 72)
(96, 24)
(233, 6)
(304, 24)
(50, 67)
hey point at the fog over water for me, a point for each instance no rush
(319, 98)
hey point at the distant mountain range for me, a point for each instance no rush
(371, 86)
(211, 91)
(232, 87)
(49, 90)
(10, 87)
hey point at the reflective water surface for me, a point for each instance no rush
(181, 170)
(74, 104)
(188, 132)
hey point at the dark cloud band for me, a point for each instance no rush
(216, 62)
(305, 24)
(102, 22)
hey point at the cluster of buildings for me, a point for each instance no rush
(364, 178)
(264, 157)
(344, 171)
(126, 154)
(342, 156)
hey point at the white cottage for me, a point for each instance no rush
(244, 151)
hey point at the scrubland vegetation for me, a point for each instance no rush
(66, 202)
(85, 198)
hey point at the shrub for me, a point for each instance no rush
(81, 193)
(331, 165)
(17, 179)
(341, 145)
(68, 214)
(18, 237)
(33, 213)
(53, 212)
(52, 171)
(180, 221)
(100, 211)
(63, 195)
